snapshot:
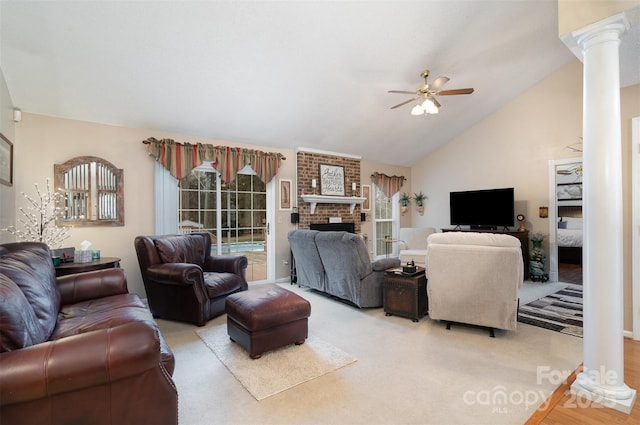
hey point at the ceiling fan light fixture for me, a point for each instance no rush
(417, 110)
(430, 93)
(429, 107)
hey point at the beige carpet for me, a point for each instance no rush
(276, 370)
(407, 373)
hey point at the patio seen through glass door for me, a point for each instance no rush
(234, 213)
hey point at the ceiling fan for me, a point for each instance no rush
(428, 92)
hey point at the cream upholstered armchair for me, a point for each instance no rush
(413, 244)
(474, 278)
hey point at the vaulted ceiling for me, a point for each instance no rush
(279, 73)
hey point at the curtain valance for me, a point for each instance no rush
(388, 184)
(181, 158)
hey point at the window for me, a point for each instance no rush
(94, 192)
(386, 218)
(197, 202)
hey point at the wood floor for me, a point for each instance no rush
(570, 273)
(564, 409)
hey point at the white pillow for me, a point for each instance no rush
(573, 222)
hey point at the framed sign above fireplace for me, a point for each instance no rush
(331, 180)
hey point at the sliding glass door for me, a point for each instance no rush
(235, 214)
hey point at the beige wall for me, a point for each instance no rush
(512, 148)
(576, 14)
(42, 141)
(7, 193)
(629, 109)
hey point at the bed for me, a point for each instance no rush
(569, 236)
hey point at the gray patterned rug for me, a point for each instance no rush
(560, 311)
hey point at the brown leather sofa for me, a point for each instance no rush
(183, 281)
(79, 348)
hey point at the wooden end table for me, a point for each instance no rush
(405, 295)
(99, 264)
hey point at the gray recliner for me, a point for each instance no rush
(344, 269)
(309, 269)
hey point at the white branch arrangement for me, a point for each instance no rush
(39, 220)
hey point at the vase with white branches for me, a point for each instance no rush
(39, 218)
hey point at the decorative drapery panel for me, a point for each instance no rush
(388, 184)
(181, 158)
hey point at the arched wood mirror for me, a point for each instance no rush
(94, 192)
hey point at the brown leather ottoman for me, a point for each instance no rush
(267, 318)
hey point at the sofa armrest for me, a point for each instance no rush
(235, 263)
(91, 285)
(175, 273)
(80, 361)
(383, 264)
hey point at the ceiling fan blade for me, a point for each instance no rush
(438, 82)
(454, 91)
(435, 101)
(403, 103)
(401, 92)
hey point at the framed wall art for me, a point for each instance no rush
(6, 161)
(285, 194)
(331, 180)
(366, 193)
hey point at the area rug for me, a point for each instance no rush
(560, 311)
(276, 370)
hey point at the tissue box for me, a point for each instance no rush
(83, 256)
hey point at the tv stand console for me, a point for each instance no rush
(522, 236)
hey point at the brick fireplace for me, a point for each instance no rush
(308, 168)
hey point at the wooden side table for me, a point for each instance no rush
(99, 264)
(405, 295)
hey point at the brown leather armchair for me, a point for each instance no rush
(183, 281)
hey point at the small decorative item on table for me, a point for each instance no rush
(520, 218)
(83, 256)
(409, 268)
(95, 254)
(65, 254)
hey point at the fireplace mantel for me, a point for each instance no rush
(314, 200)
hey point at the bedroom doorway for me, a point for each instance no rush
(565, 220)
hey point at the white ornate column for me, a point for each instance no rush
(603, 377)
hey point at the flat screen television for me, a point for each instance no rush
(482, 209)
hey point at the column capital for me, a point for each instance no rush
(608, 29)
